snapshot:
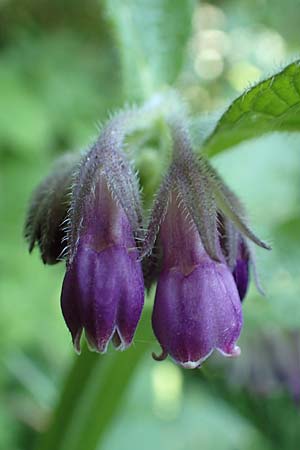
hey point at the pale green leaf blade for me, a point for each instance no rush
(152, 38)
(273, 105)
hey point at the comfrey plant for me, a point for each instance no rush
(89, 212)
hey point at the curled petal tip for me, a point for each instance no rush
(264, 245)
(236, 351)
(161, 357)
(232, 353)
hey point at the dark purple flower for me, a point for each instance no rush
(236, 253)
(241, 269)
(103, 290)
(197, 307)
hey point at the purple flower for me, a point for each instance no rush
(103, 290)
(241, 269)
(236, 253)
(197, 307)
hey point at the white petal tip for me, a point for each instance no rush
(190, 364)
(235, 352)
(195, 364)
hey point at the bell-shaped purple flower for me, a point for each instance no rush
(197, 307)
(103, 290)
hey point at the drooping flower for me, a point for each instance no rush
(197, 305)
(103, 290)
(88, 211)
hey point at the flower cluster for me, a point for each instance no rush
(195, 247)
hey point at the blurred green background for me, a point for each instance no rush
(64, 67)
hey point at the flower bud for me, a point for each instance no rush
(48, 209)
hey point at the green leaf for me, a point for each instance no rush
(271, 105)
(152, 37)
(92, 395)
